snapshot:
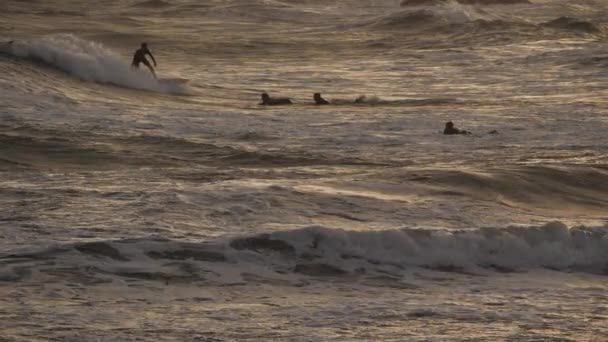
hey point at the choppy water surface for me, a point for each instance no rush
(133, 209)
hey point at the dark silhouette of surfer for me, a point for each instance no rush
(360, 99)
(274, 101)
(319, 100)
(140, 57)
(450, 129)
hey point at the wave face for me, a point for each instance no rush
(88, 61)
(558, 188)
(573, 24)
(325, 252)
(30, 148)
(552, 246)
(446, 14)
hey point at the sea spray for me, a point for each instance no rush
(90, 62)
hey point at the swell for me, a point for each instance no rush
(549, 187)
(320, 252)
(152, 4)
(205, 153)
(572, 24)
(32, 147)
(406, 3)
(264, 11)
(454, 19)
(23, 152)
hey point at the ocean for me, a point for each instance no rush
(180, 209)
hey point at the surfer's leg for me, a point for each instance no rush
(152, 71)
(149, 67)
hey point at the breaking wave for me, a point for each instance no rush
(90, 62)
(320, 252)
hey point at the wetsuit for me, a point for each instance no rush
(140, 57)
(274, 101)
(451, 130)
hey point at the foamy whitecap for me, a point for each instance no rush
(90, 62)
(324, 251)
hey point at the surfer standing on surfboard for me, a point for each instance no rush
(140, 57)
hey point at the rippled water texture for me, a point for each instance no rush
(180, 209)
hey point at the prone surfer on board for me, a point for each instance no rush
(450, 129)
(140, 57)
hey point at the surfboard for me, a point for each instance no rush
(173, 80)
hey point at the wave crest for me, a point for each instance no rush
(321, 252)
(449, 13)
(572, 24)
(89, 61)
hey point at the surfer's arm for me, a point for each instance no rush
(153, 60)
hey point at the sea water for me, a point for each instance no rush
(133, 209)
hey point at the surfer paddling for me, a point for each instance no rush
(450, 129)
(140, 57)
(274, 101)
(319, 100)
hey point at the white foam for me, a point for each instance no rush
(90, 62)
(321, 249)
(553, 245)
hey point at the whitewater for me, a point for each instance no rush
(179, 209)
